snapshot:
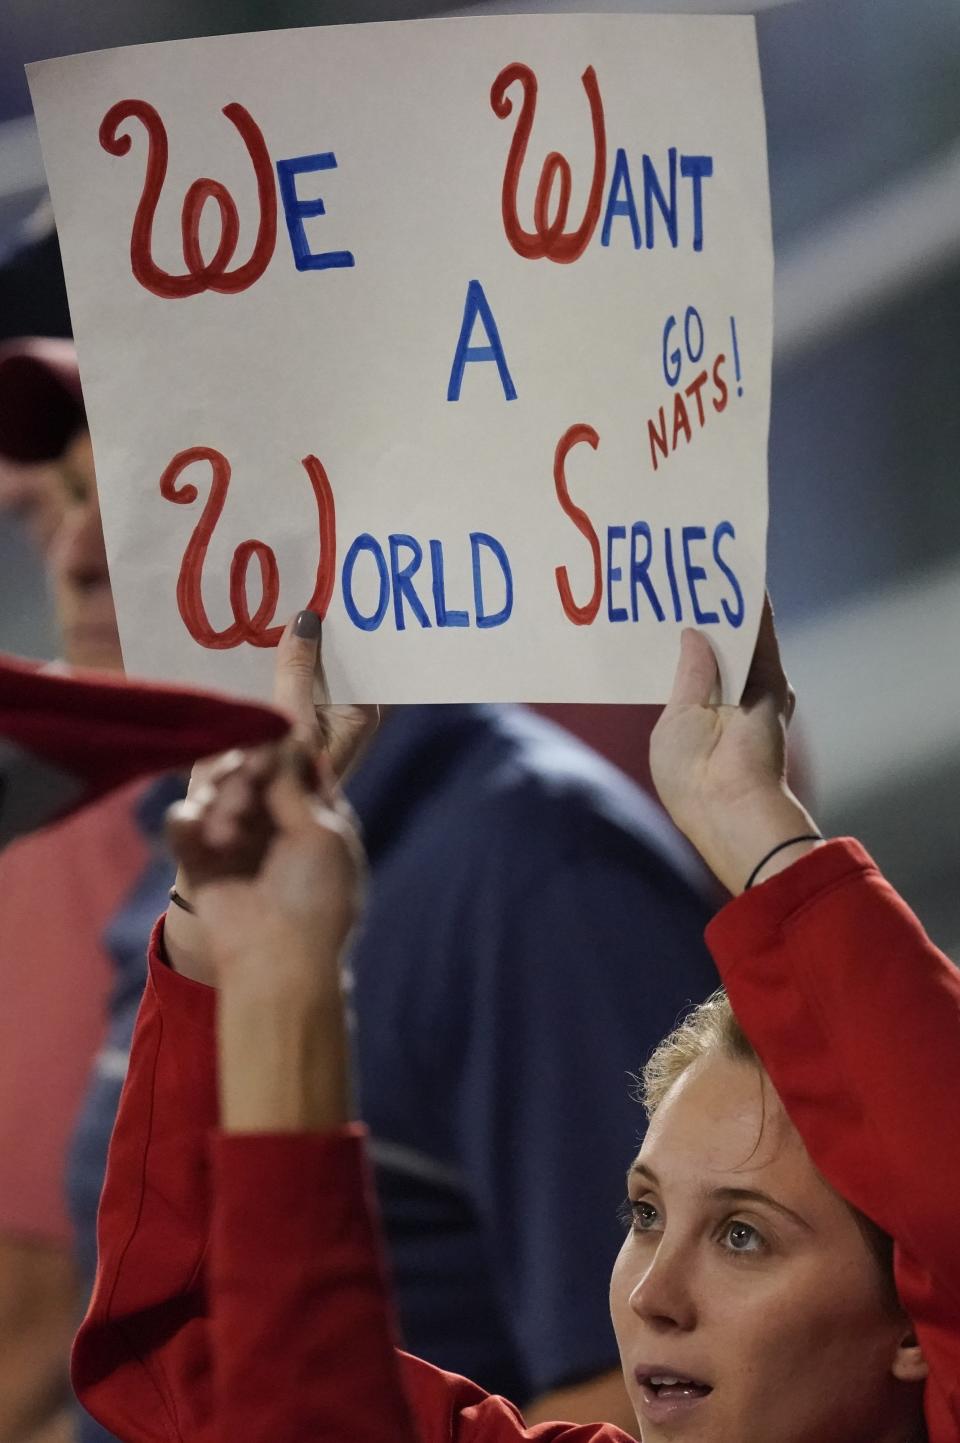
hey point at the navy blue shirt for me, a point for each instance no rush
(533, 927)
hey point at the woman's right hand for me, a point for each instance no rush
(276, 871)
(333, 736)
(275, 867)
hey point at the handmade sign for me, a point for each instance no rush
(456, 331)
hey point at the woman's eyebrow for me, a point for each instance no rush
(729, 1195)
(746, 1194)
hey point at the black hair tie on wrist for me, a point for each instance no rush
(806, 837)
(179, 901)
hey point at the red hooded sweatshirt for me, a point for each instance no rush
(241, 1294)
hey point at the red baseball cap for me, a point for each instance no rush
(68, 736)
(41, 404)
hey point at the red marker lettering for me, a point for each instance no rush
(201, 275)
(549, 238)
(254, 629)
(579, 615)
(720, 399)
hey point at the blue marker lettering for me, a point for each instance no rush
(696, 168)
(295, 209)
(639, 570)
(692, 314)
(652, 192)
(485, 619)
(365, 542)
(444, 617)
(615, 206)
(672, 575)
(477, 306)
(672, 370)
(401, 576)
(696, 574)
(614, 573)
(735, 618)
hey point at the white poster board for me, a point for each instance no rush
(458, 330)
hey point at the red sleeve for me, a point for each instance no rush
(240, 1295)
(856, 1016)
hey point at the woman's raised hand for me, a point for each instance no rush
(264, 840)
(274, 869)
(339, 732)
(720, 771)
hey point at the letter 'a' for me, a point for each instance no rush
(477, 307)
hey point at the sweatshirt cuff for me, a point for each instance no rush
(744, 926)
(184, 1002)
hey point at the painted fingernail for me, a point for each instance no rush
(308, 625)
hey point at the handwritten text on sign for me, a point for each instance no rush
(489, 404)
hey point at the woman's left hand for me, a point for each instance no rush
(720, 771)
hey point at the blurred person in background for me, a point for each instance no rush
(68, 738)
(59, 891)
(77, 902)
(33, 302)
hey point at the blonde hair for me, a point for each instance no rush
(711, 1029)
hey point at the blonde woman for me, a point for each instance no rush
(791, 1270)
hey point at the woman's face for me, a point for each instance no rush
(78, 562)
(744, 1273)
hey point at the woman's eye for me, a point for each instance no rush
(76, 486)
(742, 1238)
(641, 1216)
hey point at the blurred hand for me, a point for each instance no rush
(273, 866)
(275, 870)
(720, 770)
(227, 825)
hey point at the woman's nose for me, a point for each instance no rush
(664, 1295)
(82, 554)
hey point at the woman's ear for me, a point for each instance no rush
(909, 1364)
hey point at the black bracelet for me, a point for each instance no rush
(179, 901)
(806, 837)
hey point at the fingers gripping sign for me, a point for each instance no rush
(766, 679)
(300, 690)
(720, 770)
(697, 680)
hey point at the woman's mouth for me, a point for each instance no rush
(666, 1395)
